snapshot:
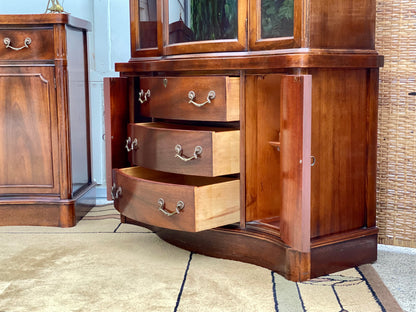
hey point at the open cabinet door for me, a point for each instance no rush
(296, 160)
(116, 112)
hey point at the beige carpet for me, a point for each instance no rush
(102, 265)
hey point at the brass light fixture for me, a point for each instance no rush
(55, 7)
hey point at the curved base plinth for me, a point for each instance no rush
(254, 245)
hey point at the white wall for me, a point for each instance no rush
(108, 43)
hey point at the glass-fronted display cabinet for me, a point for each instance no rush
(247, 130)
(190, 26)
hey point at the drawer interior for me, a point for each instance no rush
(185, 127)
(172, 178)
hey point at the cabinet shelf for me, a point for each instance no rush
(275, 144)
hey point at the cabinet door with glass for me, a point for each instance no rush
(167, 27)
(146, 27)
(204, 26)
(275, 24)
(189, 26)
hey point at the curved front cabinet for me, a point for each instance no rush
(183, 149)
(177, 202)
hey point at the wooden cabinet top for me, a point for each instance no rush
(44, 19)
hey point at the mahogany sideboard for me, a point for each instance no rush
(45, 165)
(247, 130)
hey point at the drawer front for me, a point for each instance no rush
(185, 149)
(176, 202)
(213, 98)
(26, 44)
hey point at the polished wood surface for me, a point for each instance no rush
(156, 149)
(256, 61)
(28, 127)
(116, 117)
(340, 147)
(45, 19)
(295, 161)
(169, 98)
(262, 168)
(342, 24)
(45, 169)
(208, 202)
(40, 47)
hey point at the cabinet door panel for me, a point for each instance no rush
(295, 160)
(28, 131)
(116, 112)
(278, 158)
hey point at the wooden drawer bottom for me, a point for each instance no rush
(178, 202)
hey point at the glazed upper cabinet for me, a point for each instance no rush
(247, 130)
(193, 26)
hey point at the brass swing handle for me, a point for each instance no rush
(143, 96)
(191, 96)
(179, 206)
(8, 46)
(131, 145)
(179, 153)
(116, 191)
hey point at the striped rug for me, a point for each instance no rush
(103, 265)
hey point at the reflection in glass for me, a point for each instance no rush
(197, 20)
(276, 18)
(148, 24)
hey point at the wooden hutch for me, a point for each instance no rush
(246, 130)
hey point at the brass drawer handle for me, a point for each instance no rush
(26, 44)
(179, 153)
(191, 95)
(179, 206)
(142, 94)
(116, 192)
(131, 145)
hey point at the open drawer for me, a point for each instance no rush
(192, 150)
(173, 201)
(207, 98)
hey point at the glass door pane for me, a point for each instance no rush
(276, 18)
(202, 20)
(147, 24)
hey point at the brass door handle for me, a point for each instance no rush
(131, 145)
(116, 191)
(179, 206)
(179, 153)
(191, 96)
(7, 42)
(144, 96)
